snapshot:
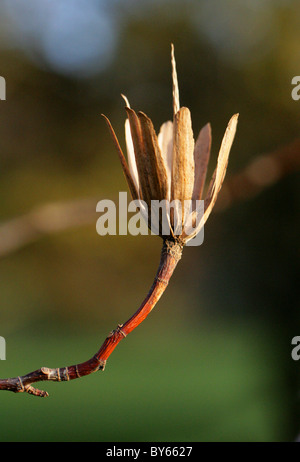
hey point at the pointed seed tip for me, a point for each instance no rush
(106, 118)
(234, 119)
(126, 100)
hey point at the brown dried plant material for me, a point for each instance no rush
(183, 159)
(218, 175)
(173, 167)
(201, 156)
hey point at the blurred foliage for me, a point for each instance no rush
(185, 386)
(213, 362)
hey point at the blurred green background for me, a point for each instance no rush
(213, 361)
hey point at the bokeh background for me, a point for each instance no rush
(213, 360)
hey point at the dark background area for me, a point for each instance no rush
(213, 361)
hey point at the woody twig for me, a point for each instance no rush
(170, 255)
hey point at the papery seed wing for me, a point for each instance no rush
(157, 171)
(219, 173)
(165, 143)
(176, 104)
(183, 158)
(158, 179)
(142, 162)
(130, 155)
(201, 156)
(130, 181)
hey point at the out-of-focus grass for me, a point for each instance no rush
(191, 384)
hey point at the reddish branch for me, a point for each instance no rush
(170, 255)
(261, 173)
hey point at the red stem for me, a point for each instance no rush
(170, 255)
